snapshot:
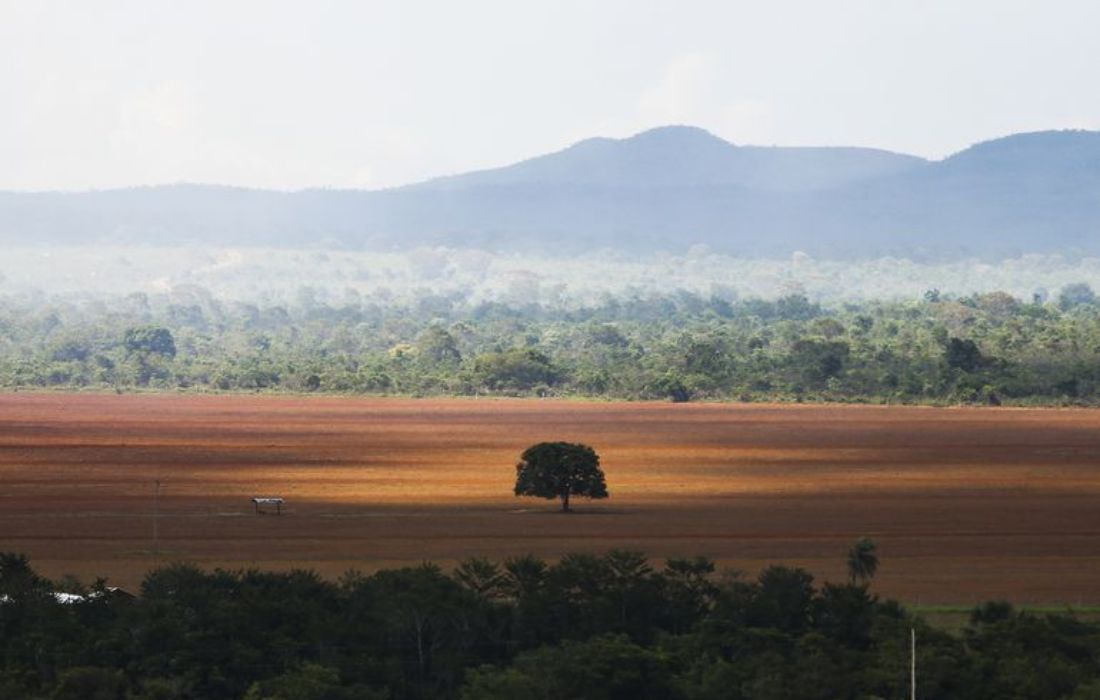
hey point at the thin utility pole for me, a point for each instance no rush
(156, 516)
(912, 663)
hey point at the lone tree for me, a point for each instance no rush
(862, 560)
(560, 470)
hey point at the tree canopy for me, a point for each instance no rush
(150, 339)
(862, 560)
(984, 348)
(560, 470)
(601, 626)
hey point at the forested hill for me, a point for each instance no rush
(664, 189)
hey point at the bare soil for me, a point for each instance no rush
(966, 504)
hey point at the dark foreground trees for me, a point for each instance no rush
(560, 470)
(862, 561)
(589, 626)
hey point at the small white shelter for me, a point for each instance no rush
(261, 501)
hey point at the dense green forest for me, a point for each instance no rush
(597, 627)
(988, 348)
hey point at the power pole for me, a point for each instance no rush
(912, 663)
(156, 516)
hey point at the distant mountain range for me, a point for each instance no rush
(663, 189)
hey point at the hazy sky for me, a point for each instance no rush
(98, 93)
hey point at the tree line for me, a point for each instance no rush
(989, 348)
(587, 626)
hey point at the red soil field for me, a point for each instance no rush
(965, 504)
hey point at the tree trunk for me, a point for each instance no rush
(419, 625)
(565, 502)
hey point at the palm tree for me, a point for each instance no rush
(862, 561)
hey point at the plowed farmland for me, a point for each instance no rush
(965, 504)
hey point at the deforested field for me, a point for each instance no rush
(966, 504)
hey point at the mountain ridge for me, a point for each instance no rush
(662, 189)
(688, 156)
